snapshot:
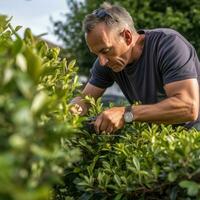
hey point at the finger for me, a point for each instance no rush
(97, 124)
(104, 125)
(114, 130)
(75, 109)
(109, 129)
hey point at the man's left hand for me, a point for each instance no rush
(110, 120)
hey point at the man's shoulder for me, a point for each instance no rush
(161, 31)
(165, 36)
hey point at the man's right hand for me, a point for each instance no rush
(78, 106)
(76, 109)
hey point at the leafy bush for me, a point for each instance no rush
(140, 161)
(36, 86)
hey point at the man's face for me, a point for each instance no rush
(110, 46)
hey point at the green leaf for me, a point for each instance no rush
(55, 52)
(23, 116)
(17, 141)
(117, 179)
(21, 62)
(28, 36)
(42, 48)
(118, 197)
(3, 22)
(17, 28)
(86, 196)
(34, 64)
(136, 163)
(24, 85)
(172, 176)
(39, 101)
(17, 46)
(71, 64)
(8, 75)
(191, 186)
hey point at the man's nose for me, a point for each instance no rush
(102, 60)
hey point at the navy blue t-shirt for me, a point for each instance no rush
(166, 57)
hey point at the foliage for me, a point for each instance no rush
(141, 161)
(184, 16)
(36, 86)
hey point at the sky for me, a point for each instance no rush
(35, 14)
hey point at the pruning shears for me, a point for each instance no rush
(89, 124)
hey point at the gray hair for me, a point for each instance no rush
(110, 15)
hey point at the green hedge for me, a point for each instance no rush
(139, 162)
(36, 86)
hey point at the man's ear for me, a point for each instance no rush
(127, 35)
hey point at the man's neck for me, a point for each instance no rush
(137, 47)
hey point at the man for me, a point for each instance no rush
(158, 68)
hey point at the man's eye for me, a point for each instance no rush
(105, 51)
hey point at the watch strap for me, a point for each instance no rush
(128, 109)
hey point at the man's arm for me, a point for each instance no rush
(80, 106)
(182, 105)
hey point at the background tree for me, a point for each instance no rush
(182, 15)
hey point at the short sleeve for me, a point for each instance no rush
(176, 59)
(101, 76)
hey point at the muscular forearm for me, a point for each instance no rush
(171, 111)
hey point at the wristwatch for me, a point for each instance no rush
(128, 114)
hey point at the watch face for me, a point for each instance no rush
(128, 117)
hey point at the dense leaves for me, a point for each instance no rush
(139, 162)
(182, 15)
(36, 86)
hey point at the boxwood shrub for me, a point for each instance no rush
(141, 161)
(36, 87)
